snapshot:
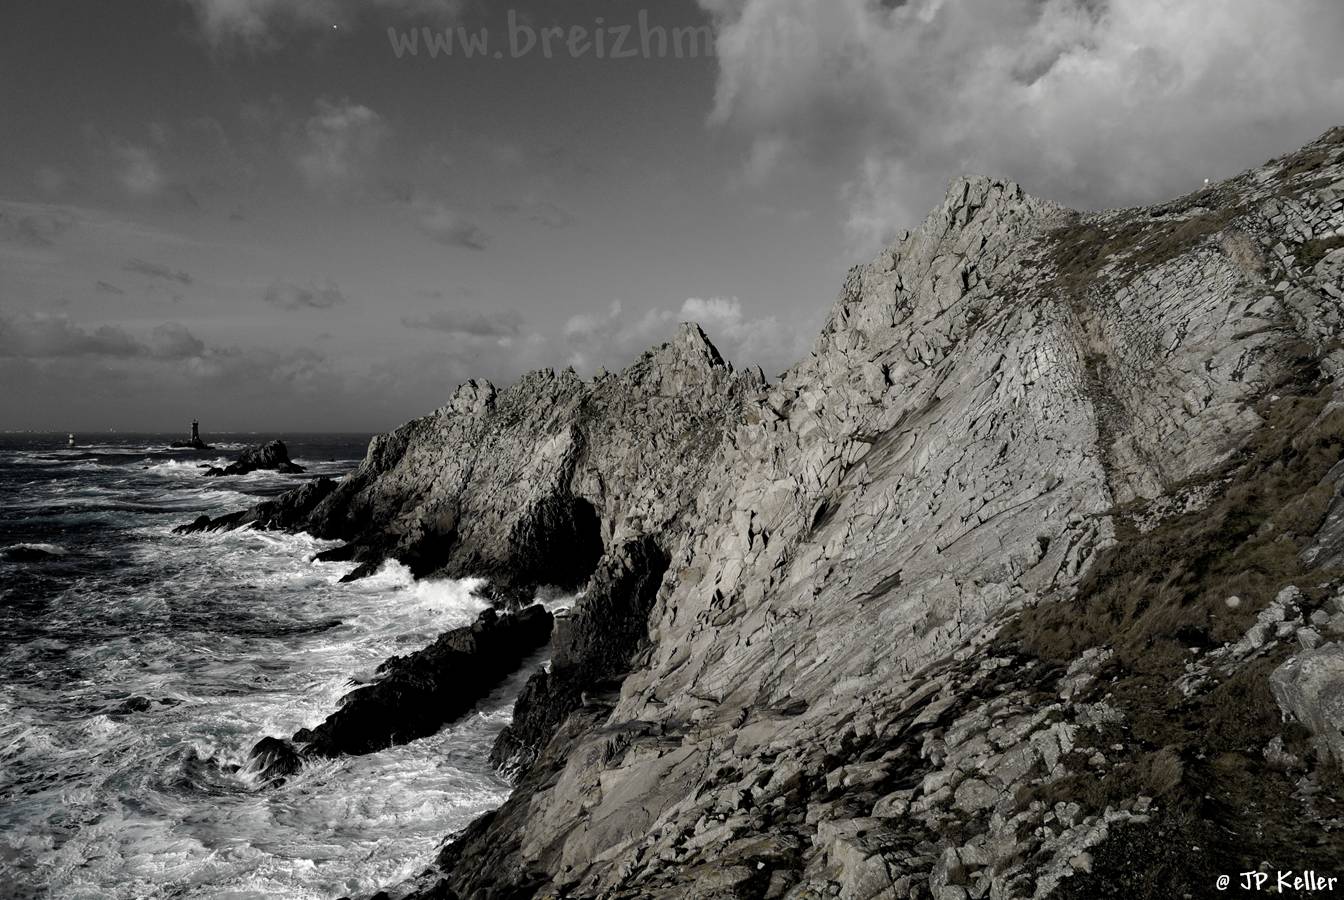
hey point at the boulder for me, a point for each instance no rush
(1310, 688)
(274, 760)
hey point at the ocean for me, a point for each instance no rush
(137, 669)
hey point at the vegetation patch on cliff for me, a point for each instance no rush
(1229, 776)
(1080, 250)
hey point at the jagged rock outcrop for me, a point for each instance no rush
(591, 651)
(948, 610)
(413, 696)
(288, 512)
(526, 486)
(272, 456)
(416, 694)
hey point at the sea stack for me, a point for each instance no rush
(273, 456)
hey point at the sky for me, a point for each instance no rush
(296, 215)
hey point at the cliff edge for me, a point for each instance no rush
(1023, 584)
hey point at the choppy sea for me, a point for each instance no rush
(137, 668)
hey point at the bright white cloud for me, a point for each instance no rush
(1091, 102)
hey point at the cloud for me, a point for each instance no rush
(43, 336)
(107, 287)
(165, 381)
(155, 270)
(470, 323)
(172, 340)
(448, 227)
(339, 141)
(34, 229)
(543, 213)
(138, 169)
(267, 24)
(1091, 102)
(290, 295)
(613, 338)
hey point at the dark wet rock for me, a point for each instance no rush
(275, 759)
(138, 704)
(272, 456)
(360, 572)
(592, 647)
(28, 554)
(343, 553)
(135, 705)
(283, 513)
(417, 694)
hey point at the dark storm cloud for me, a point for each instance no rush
(155, 270)
(41, 336)
(107, 287)
(290, 295)
(469, 323)
(1092, 102)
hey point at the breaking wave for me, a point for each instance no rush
(138, 669)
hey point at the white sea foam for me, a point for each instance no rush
(53, 549)
(130, 780)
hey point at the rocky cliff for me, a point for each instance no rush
(1024, 583)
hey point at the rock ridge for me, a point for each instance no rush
(947, 610)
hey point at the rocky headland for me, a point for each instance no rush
(1027, 582)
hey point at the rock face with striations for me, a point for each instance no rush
(981, 599)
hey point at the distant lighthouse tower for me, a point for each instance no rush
(71, 441)
(195, 443)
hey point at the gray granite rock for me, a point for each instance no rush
(805, 700)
